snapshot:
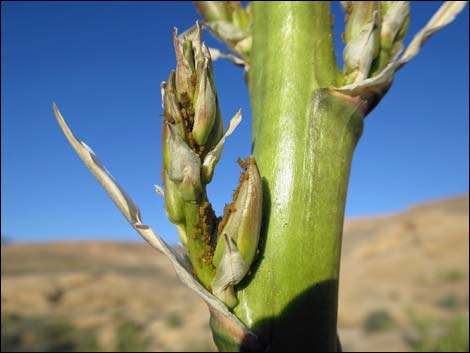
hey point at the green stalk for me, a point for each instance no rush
(303, 141)
(199, 248)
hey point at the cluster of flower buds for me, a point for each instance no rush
(230, 22)
(373, 36)
(220, 250)
(192, 121)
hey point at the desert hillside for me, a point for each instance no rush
(404, 286)
(404, 279)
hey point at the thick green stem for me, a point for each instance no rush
(303, 141)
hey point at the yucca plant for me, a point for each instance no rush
(268, 267)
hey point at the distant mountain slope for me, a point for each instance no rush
(412, 266)
(399, 273)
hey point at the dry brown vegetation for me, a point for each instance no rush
(404, 286)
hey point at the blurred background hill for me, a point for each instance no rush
(404, 287)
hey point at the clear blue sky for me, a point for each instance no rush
(103, 64)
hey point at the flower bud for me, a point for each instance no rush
(184, 72)
(244, 46)
(212, 147)
(229, 22)
(188, 53)
(395, 21)
(183, 166)
(205, 105)
(242, 218)
(174, 203)
(240, 17)
(358, 14)
(171, 112)
(229, 272)
(213, 10)
(174, 207)
(239, 230)
(197, 47)
(362, 40)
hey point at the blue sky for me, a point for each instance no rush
(103, 63)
